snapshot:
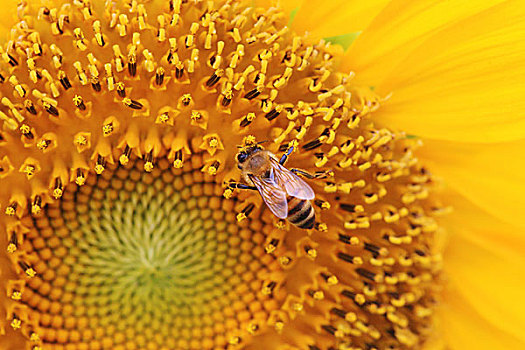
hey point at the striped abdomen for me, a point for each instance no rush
(300, 212)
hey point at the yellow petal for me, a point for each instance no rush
(463, 328)
(401, 27)
(481, 228)
(9, 18)
(490, 175)
(331, 18)
(462, 83)
(288, 6)
(485, 286)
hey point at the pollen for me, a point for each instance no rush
(121, 121)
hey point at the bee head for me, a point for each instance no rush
(247, 152)
(241, 156)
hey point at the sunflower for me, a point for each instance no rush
(123, 226)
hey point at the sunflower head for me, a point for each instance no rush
(120, 130)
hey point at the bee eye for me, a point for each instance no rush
(241, 157)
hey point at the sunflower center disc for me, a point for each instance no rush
(148, 253)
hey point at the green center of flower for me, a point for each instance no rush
(147, 257)
(155, 249)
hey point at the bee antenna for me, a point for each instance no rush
(262, 142)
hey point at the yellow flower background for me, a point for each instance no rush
(448, 76)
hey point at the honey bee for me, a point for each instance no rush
(286, 194)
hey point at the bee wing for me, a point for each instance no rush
(292, 184)
(273, 195)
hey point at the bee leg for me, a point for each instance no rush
(241, 186)
(284, 158)
(317, 175)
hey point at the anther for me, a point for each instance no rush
(285, 260)
(252, 328)
(36, 207)
(58, 189)
(186, 100)
(352, 240)
(79, 102)
(164, 118)
(107, 129)
(356, 260)
(80, 177)
(149, 62)
(247, 119)
(330, 329)
(26, 131)
(161, 32)
(245, 212)
(228, 192)
(29, 170)
(30, 107)
(357, 298)
(16, 294)
(43, 144)
(268, 289)
(119, 58)
(316, 294)
(310, 252)
(298, 307)
(159, 76)
(338, 312)
(214, 167)
(27, 269)
(98, 35)
(132, 103)
(82, 77)
(324, 205)
(272, 114)
(347, 207)
(312, 145)
(9, 59)
(330, 279)
(179, 70)
(178, 162)
(215, 77)
(321, 226)
(34, 337)
(234, 340)
(124, 157)
(367, 274)
(375, 249)
(10, 210)
(250, 95)
(13, 243)
(100, 165)
(16, 323)
(172, 57)
(95, 84)
(227, 98)
(121, 89)
(132, 64)
(50, 108)
(148, 164)
(272, 246)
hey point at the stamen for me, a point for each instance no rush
(245, 212)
